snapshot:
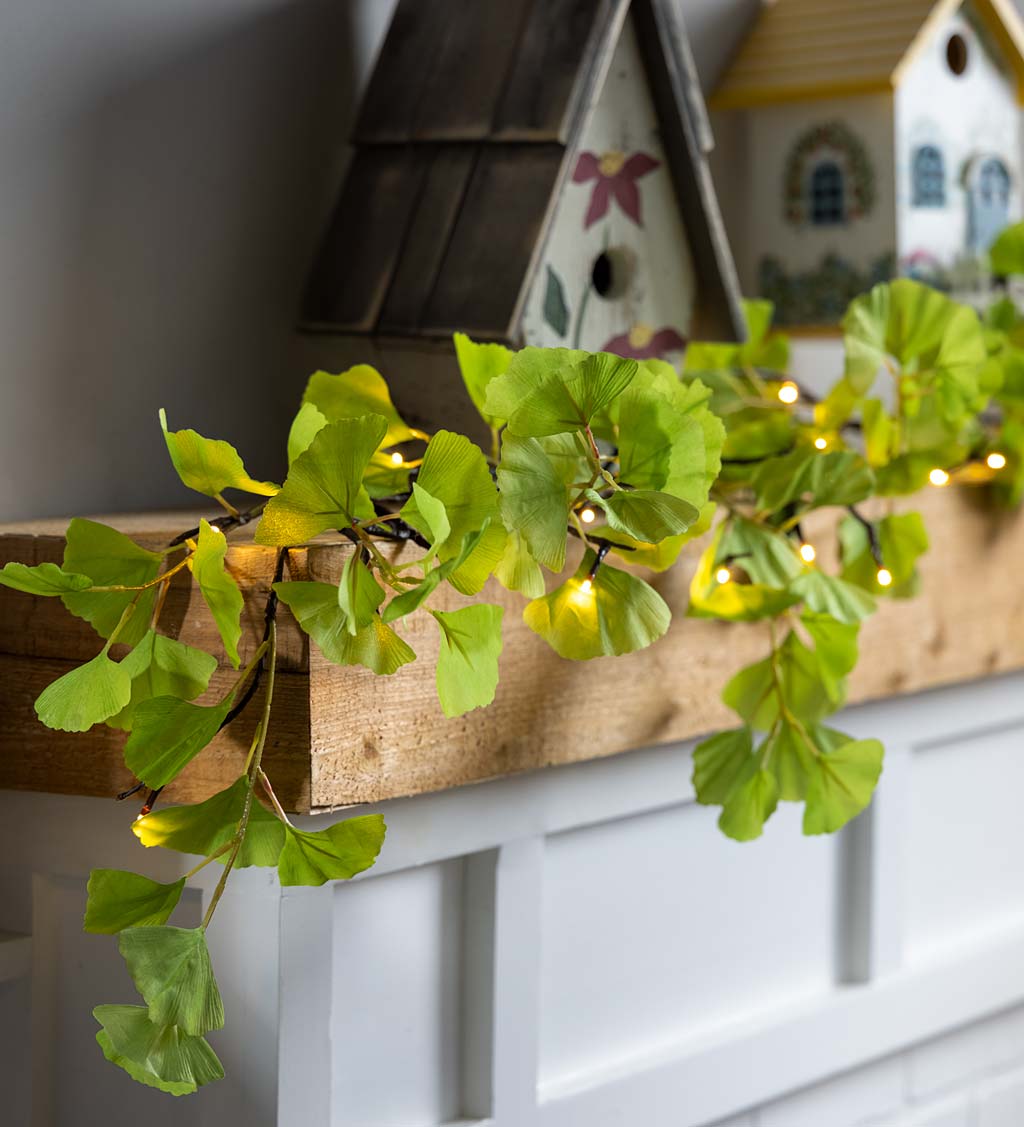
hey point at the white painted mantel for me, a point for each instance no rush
(577, 947)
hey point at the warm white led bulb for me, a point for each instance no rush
(996, 461)
(588, 516)
(820, 443)
(723, 575)
(938, 477)
(587, 586)
(884, 577)
(396, 459)
(214, 528)
(807, 553)
(789, 392)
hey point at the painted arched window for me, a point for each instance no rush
(989, 203)
(929, 177)
(828, 204)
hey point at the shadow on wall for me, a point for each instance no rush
(166, 173)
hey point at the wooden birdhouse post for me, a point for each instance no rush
(877, 144)
(525, 173)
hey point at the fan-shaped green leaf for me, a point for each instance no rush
(206, 827)
(324, 488)
(43, 579)
(825, 594)
(720, 764)
(210, 465)
(570, 398)
(841, 783)
(359, 594)
(109, 559)
(645, 514)
(360, 391)
(119, 899)
(219, 590)
(160, 1056)
(467, 663)
(315, 606)
(535, 498)
(616, 614)
(479, 364)
(167, 734)
(160, 666)
(171, 969)
(89, 694)
(337, 853)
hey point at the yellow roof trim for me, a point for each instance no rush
(763, 72)
(741, 99)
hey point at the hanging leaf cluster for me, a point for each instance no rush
(599, 471)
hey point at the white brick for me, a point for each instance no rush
(950, 1061)
(842, 1101)
(954, 1111)
(1001, 1101)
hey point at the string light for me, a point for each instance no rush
(820, 443)
(808, 553)
(938, 477)
(789, 392)
(397, 459)
(723, 575)
(588, 516)
(996, 461)
(215, 528)
(884, 577)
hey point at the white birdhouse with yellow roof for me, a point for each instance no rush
(881, 140)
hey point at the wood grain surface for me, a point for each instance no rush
(341, 735)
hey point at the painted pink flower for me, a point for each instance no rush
(643, 343)
(616, 175)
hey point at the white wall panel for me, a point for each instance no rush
(657, 927)
(397, 1031)
(965, 839)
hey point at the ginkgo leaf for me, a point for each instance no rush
(613, 613)
(435, 517)
(207, 826)
(841, 782)
(89, 694)
(570, 398)
(210, 465)
(119, 899)
(454, 472)
(43, 579)
(219, 590)
(307, 424)
(162, 1057)
(835, 646)
(527, 370)
(337, 853)
(736, 601)
(467, 663)
(719, 765)
(324, 488)
(825, 594)
(161, 666)
(360, 391)
(167, 734)
(359, 594)
(171, 969)
(535, 498)
(750, 805)
(479, 364)
(109, 558)
(791, 756)
(813, 479)
(518, 570)
(315, 606)
(645, 514)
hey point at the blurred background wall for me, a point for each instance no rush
(165, 173)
